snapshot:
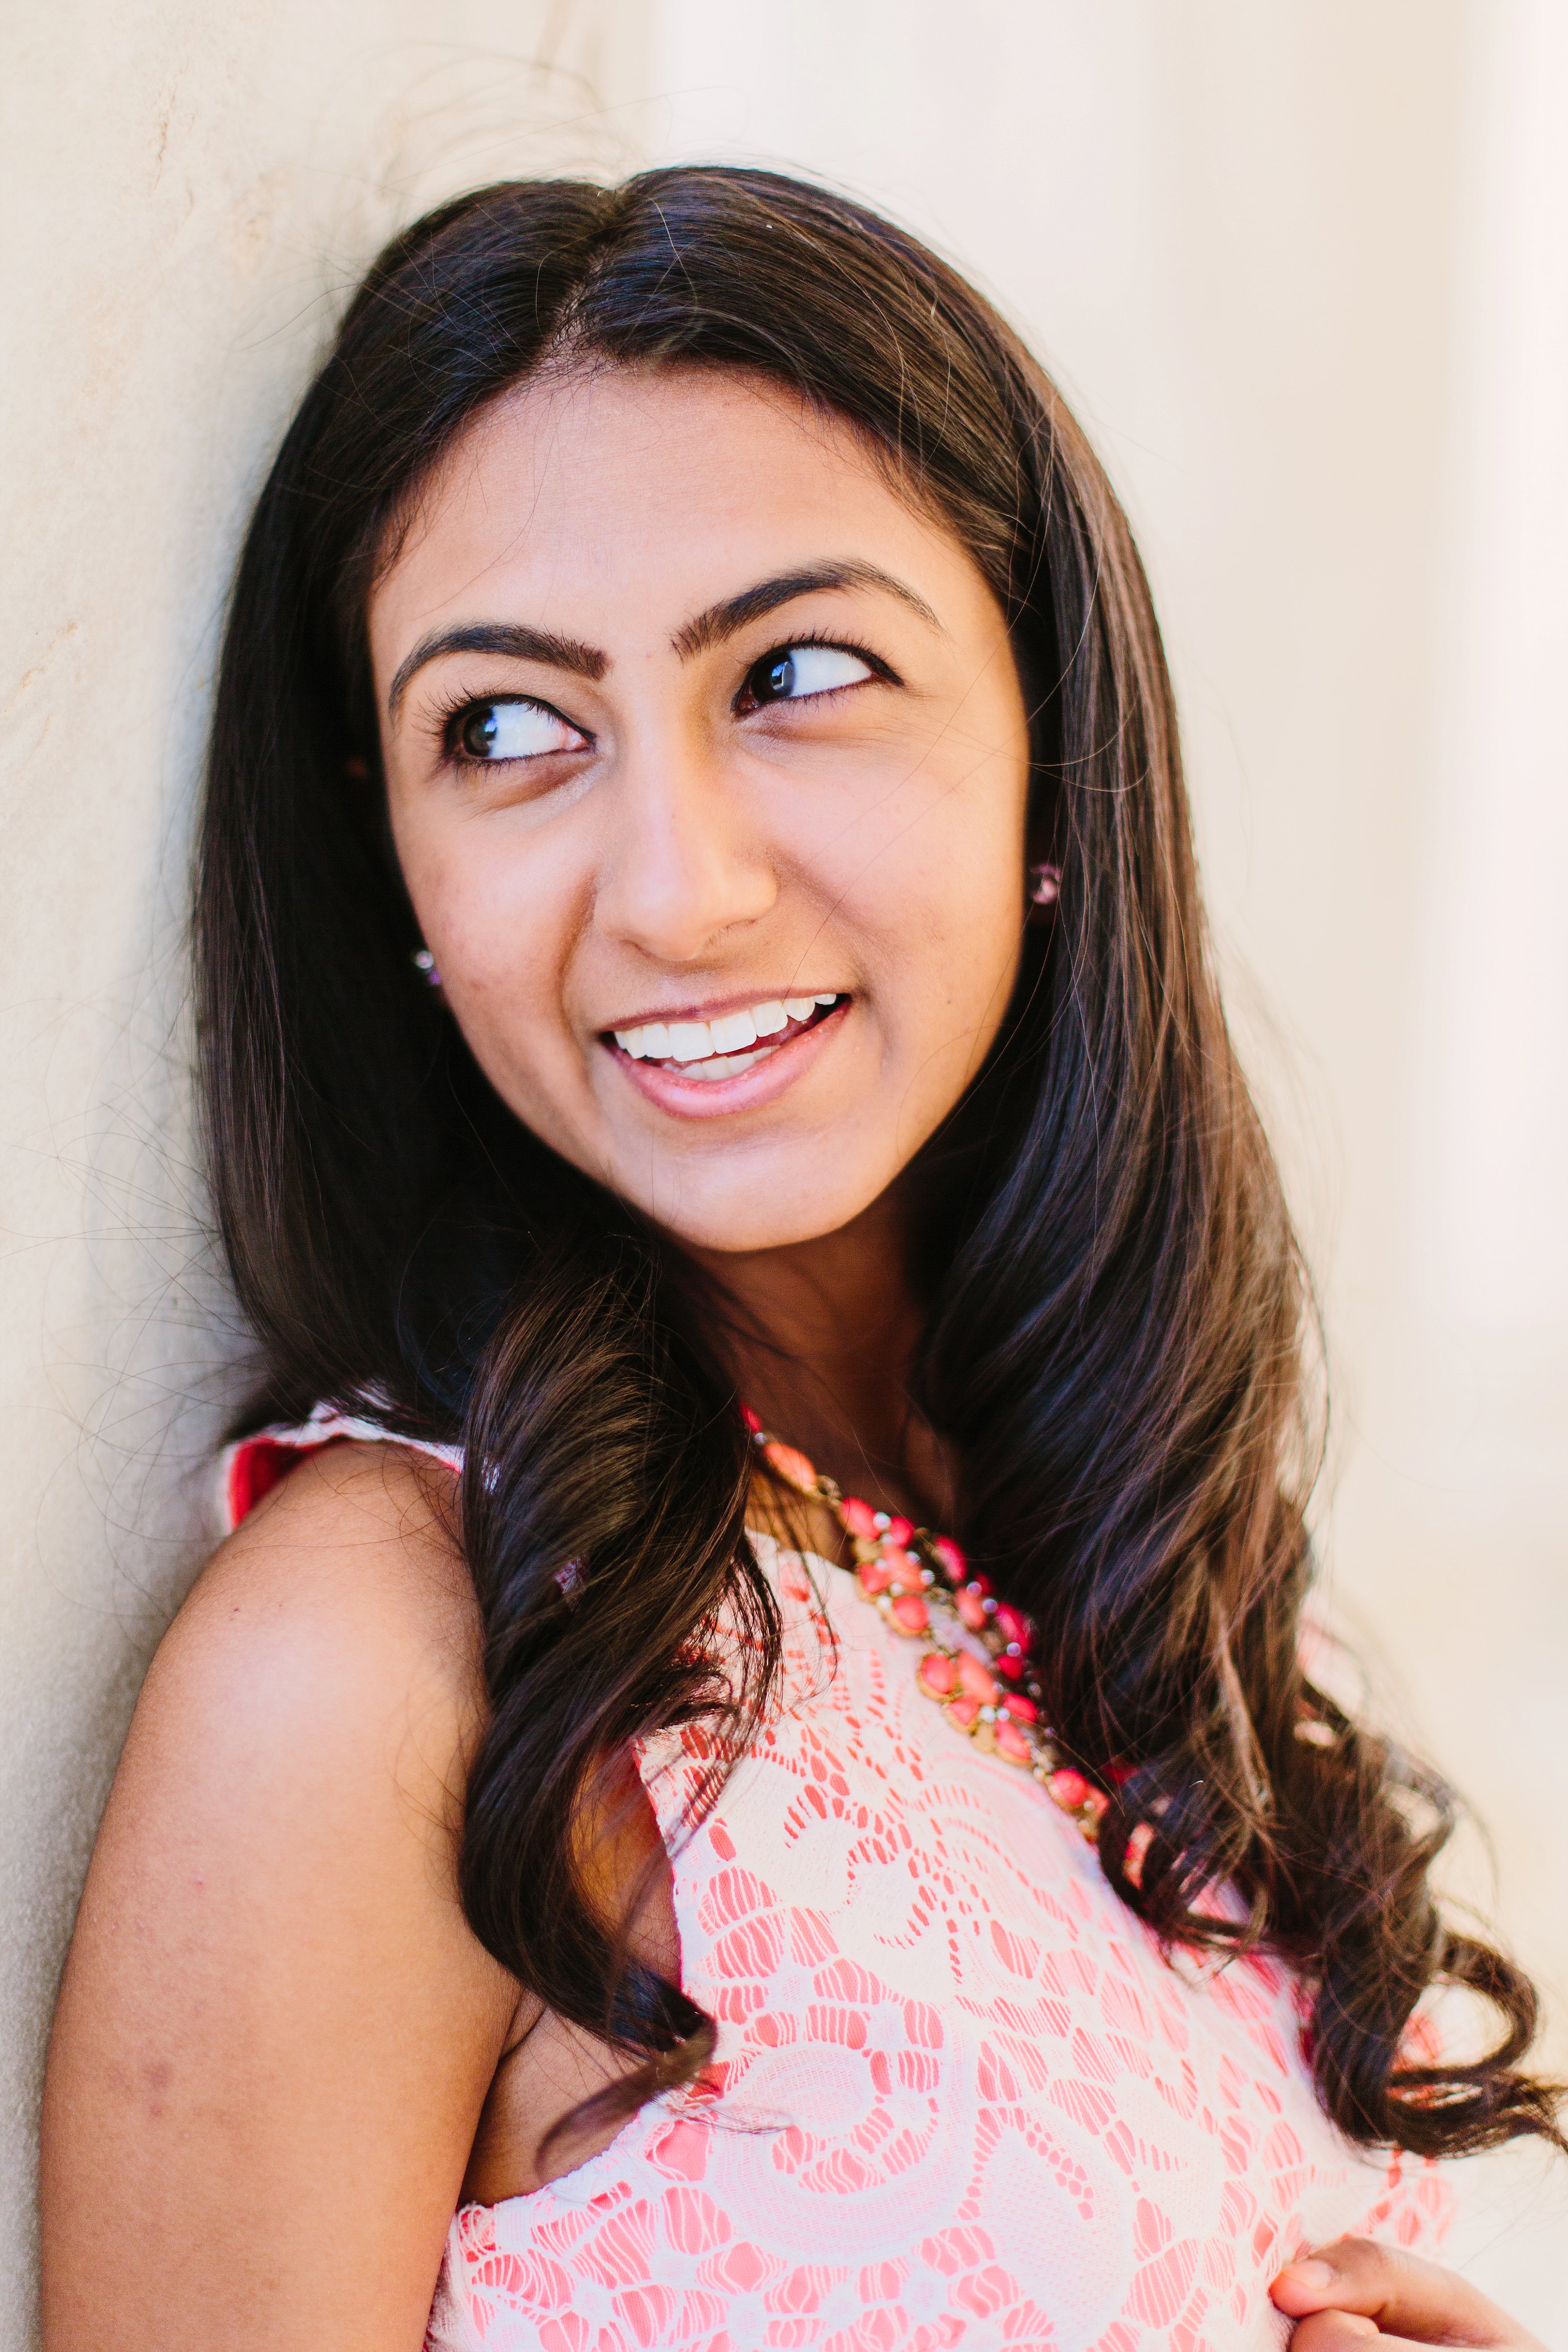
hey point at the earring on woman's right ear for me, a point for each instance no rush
(425, 964)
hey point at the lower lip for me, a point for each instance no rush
(723, 1097)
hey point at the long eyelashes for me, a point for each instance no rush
(502, 719)
(747, 700)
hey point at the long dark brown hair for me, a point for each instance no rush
(1116, 1312)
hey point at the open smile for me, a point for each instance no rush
(675, 1063)
(729, 1043)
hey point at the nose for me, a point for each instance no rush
(683, 866)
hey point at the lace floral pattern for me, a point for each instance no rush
(959, 2098)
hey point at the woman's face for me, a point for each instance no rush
(707, 765)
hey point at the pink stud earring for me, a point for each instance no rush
(425, 963)
(1044, 884)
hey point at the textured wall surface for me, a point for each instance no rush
(1302, 268)
(187, 192)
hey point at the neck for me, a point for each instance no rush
(821, 1336)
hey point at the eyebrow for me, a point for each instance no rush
(709, 628)
(722, 620)
(498, 637)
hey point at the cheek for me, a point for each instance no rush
(943, 902)
(500, 925)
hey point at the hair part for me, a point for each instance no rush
(1118, 1311)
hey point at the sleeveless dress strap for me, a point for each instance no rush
(252, 1467)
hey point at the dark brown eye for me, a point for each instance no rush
(772, 680)
(795, 673)
(493, 731)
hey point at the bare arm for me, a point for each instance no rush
(277, 2031)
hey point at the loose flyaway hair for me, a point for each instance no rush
(1117, 1316)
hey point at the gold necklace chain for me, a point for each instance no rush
(923, 1586)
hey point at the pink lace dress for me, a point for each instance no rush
(959, 2098)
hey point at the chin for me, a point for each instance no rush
(765, 1213)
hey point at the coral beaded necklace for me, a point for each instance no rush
(923, 1586)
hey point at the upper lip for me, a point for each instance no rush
(715, 1007)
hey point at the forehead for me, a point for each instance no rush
(644, 491)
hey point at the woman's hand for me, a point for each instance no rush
(1353, 2292)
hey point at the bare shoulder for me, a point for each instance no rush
(353, 1524)
(341, 1606)
(303, 1738)
(272, 1985)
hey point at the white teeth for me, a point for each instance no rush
(724, 1066)
(733, 1033)
(719, 1046)
(690, 1041)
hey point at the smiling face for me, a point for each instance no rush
(707, 765)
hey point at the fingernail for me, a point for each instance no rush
(1313, 2273)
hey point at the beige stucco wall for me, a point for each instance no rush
(1303, 266)
(186, 189)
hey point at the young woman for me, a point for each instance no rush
(713, 1079)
